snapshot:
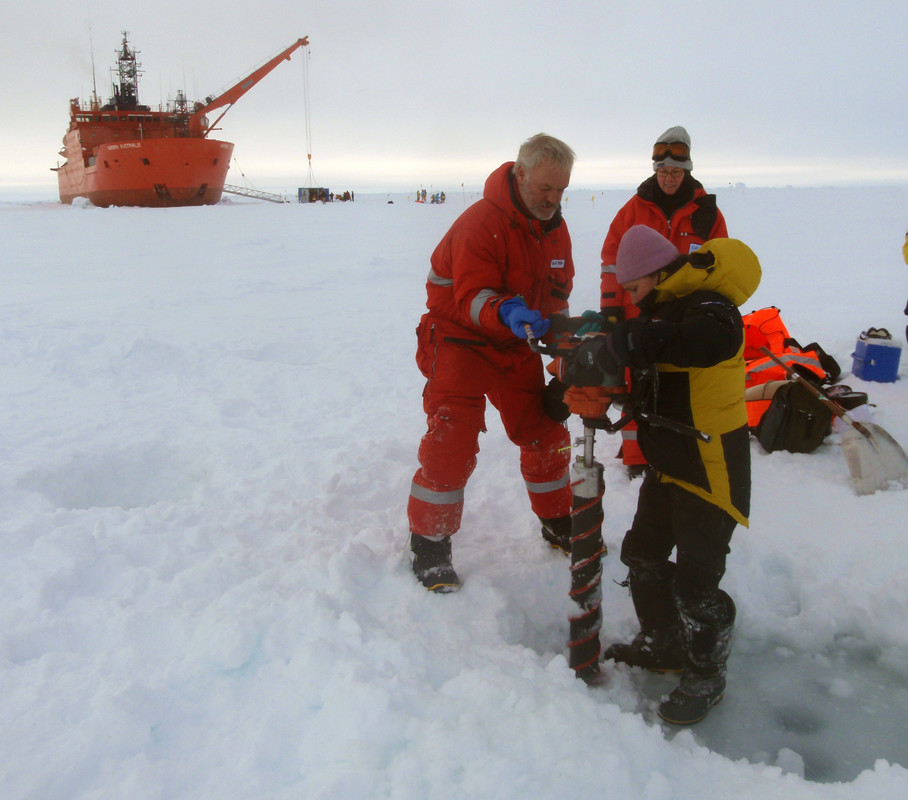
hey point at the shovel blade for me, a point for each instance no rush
(874, 458)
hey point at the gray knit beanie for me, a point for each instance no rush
(674, 135)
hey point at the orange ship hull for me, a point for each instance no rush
(149, 172)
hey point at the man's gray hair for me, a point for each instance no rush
(543, 147)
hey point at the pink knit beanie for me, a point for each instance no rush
(641, 252)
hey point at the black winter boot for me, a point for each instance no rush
(658, 645)
(557, 532)
(706, 638)
(659, 651)
(432, 564)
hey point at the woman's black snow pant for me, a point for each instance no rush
(681, 595)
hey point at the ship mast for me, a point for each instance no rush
(126, 92)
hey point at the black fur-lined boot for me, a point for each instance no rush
(706, 637)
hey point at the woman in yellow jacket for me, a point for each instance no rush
(686, 349)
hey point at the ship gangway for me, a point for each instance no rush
(269, 196)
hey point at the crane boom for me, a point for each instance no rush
(235, 92)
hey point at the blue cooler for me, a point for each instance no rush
(876, 359)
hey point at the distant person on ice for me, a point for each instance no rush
(504, 265)
(674, 203)
(686, 350)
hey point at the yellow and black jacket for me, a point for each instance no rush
(687, 351)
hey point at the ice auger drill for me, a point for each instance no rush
(591, 404)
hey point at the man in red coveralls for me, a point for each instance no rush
(674, 203)
(504, 266)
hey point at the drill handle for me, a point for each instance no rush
(563, 327)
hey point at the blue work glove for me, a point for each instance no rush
(515, 314)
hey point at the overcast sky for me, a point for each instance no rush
(435, 93)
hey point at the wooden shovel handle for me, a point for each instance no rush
(831, 404)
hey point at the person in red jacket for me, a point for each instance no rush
(504, 267)
(676, 205)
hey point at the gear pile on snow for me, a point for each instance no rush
(782, 414)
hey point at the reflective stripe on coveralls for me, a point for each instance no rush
(478, 302)
(549, 486)
(435, 498)
(438, 280)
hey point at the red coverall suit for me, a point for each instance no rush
(492, 252)
(694, 223)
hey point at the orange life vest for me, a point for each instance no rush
(765, 328)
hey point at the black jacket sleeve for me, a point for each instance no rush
(700, 330)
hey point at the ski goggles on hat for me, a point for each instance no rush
(876, 333)
(678, 150)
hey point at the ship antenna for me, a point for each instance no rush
(94, 80)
